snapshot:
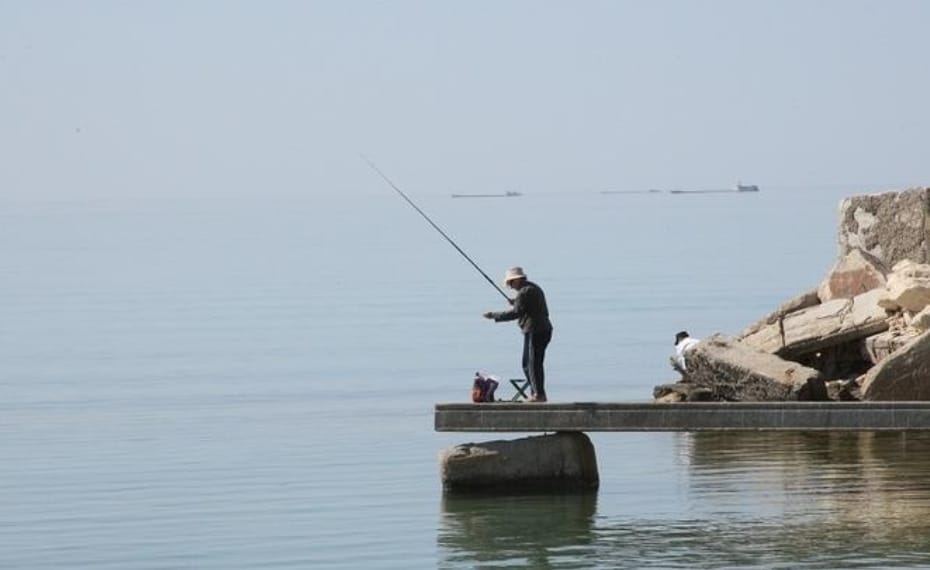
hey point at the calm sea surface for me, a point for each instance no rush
(248, 383)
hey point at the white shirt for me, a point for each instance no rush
(681, 348)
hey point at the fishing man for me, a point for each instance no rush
(531, 313)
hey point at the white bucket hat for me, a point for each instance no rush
(513, 273)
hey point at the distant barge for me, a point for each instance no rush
(739, 188)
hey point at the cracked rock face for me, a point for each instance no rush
(891, 226)
(820, 326)
(796, 303)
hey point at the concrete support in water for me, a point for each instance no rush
(561, 461)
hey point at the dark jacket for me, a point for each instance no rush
(529, 310)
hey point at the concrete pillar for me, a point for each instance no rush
(559, 462)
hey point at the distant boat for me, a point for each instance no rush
(739, 188)
(504, 195)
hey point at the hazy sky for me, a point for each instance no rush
(102, 98)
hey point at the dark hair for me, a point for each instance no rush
(681, 336)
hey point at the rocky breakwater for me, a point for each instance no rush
(862, 334)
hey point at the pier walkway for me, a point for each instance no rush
(688, 416)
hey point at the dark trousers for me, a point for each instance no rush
(534, 352)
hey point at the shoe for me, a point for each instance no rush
(537, 399)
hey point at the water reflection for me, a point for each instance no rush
(873, 485)
(736, 500)
(535, 531)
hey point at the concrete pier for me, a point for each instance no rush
(687, 416)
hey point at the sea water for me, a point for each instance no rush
(248, 382)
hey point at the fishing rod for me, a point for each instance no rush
(437, 228)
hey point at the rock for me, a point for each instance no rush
(561, 461)
(836, 331)
(880, 346)
(736, 371)
(921, 321)
(904, 375)
(891, 226)
(796, 303)
(681, 392)
(669, 397)
(908, 287)
(828, 324)
(854, 274)
(843, 390)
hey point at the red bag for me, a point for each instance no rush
(482, 389)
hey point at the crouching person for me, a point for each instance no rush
(683, 344)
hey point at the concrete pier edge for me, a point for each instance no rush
(685, 416)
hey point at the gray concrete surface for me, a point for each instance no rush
(685, 416)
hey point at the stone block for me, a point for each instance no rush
(800, 301)
(560, 461)
(736, 371)
(681, 392)
(828, 324)
(854, 274)
(908, 287)
(903, 376)
(891, 226)
(880, 346)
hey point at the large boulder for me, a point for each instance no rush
(854, 274)
(891, 226)
(735, 371)
(825, 325)
(908, 287)
(560, 461)
(904, 375)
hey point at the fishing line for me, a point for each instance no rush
(437, 228)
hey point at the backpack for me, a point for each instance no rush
(482, 389)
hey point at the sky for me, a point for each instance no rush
(109, 98)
